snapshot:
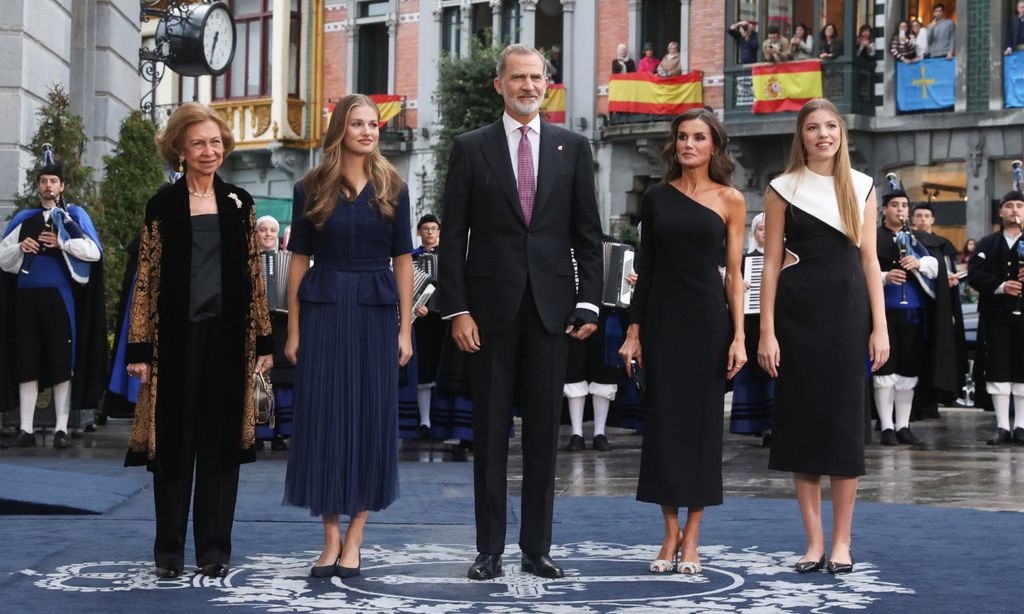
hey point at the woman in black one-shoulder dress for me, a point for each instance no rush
(691, 340)
(822, 319)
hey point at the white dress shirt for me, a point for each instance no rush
(11, 255)
(1011, 240)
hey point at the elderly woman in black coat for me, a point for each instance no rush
(198, 331)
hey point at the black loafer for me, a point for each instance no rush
(167, 573)
(1002, 437)
(601, 444)
(575, 444)
(542, 566)
(423, 432)
(60, 440)
(905, 437)
(1018, 436)
(486, 567)
(25, 440)
(840, 568)
(810, 566)
(889, 438)
(214, 570)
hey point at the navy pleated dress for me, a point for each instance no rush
(343, 457)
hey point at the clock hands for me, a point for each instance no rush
(216, 35)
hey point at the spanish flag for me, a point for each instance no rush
(553, 108)
(785, 86)
(640, 92)
(388, 106)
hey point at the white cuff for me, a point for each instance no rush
(929, 267)
(452, 316)
(82, 248)
(590, 306)
(1001, 289)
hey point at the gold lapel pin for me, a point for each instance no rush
(560, 148)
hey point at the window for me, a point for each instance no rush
(188, 89)
(511, 21)
(660, 25)
(250, 72)
(372, 75)
(481, 21)
(451, 30)
(373, 9)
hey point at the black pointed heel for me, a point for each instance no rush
(324, 571)
(840, 568)
(810, 566)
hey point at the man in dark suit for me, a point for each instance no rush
(519, 202)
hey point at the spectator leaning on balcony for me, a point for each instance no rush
(941, 34)
(865, 46)
(902, 45)
(775, 48)
(745, 33)
(648, 63)
(801, 46)
(831, 46)
(670, 64)
(919, 34)
(1015, 31)
(622, 62)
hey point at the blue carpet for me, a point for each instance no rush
(909, 558)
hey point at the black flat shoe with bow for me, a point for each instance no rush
(810, 566)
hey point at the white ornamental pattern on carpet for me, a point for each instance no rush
(430, 578)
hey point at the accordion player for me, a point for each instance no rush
(618, 263)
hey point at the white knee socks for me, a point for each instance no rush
(601, 405)
(1018, 406)
(884, 394)
(62, 405)
(423, 401)
(576, 405)
(1000, 393)
(28, 392)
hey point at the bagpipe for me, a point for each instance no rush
(1018, 185)
(907, 245)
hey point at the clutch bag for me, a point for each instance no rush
(263, 399)
(639, 379)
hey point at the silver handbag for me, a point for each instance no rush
(263, 399)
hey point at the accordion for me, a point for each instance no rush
(275, 278)
(618, 262)
(424, 280)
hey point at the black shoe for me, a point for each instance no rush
(1002, 437)
(325, 571)
(347, 572)
(60, 440)
(542, 566)
(423, 432)
(214, 570)
(840, 568)
(25, 440)
(277, 444)
(601, 444)
(1018, 436)
(810, 566)
(889, 438)
(167, 573)
(766, 440)
(905, 437)
(575, 444)
(90, 428)
(486, 567)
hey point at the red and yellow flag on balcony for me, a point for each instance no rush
(785, 86)
(553, 108)
(388, 106)
(639, 92)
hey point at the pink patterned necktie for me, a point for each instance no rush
(527, 181)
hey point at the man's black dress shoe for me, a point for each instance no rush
(840, 568)
(601, 444)
(60, 440)
(542, 566)
(810, 566)
(167, 573)
(1018, 435)
(575, 444)
(25, 440)
(486, 567)
(889, 438)
(905, 437)
(1001, 437)
(214, 570)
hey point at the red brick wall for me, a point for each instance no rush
(707, 45)
(612, 29)
(407, 59)
(335, 57)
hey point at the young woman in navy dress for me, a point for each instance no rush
(348, 332)
(822, 319)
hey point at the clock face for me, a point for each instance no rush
(218, 39)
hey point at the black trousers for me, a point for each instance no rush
(1004, 346)
(906, 342)
(216, 479)
(527, 360)
(42, 336)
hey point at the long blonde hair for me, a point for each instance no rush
(325, 183)
(846, 196)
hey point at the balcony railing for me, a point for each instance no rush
(848, 84)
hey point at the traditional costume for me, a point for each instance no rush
(53, 312)
(908, 314)
(997, 260)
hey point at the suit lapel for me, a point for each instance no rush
(549, 165)
(496, 151)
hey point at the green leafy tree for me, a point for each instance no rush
(466, 101)
(60, 127)
(133, 174)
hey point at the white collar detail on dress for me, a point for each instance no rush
(815, 194)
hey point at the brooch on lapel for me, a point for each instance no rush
(234, 197)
